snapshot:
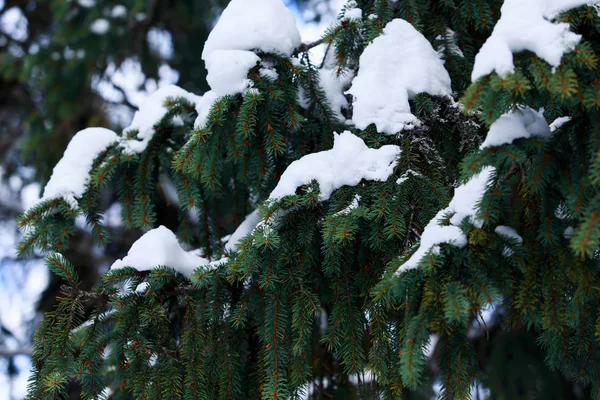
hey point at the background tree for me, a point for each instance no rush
(359, 262)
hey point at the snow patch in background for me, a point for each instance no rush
(527, 25)
(100, 26)
(346, 164)
(394, 68)
(463, 205)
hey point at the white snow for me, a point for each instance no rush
(245, 228)
(509, 232)
(228, 70)
(118, 11)
(463, 205)
(558, 122)
(86, 3)
(151, 111)
(203, 106)
(268, 73)
(521, 123)
(333, 86)
(100, 26)
(568, 233)
(353, 13)
(71, 175)
(405, 176)
(395, 67)
(352, 206)
(347, 163)
(159, 247)
(246, 26)
(527, 25)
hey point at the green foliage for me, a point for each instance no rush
(314, 294)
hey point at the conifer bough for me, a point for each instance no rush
(355, 219)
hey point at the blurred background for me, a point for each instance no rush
(70, 64)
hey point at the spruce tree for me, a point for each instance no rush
(345, 223)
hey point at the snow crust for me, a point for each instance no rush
(159, 247)
(346, 164)
(395, 67)
(521, 123)
(245, 228)
(71, 175)
(151, 111)
(246, 26)
(463, 205)
(527, 25)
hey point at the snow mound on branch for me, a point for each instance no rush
(520, 123)
(245, 26)
(394, 68)
(346, 164)
(527, 25)
(159, 247)
(151, 111)
(245, 228)
(464, 204)
(71, 175)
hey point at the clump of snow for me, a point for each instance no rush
(347, 163)
(100, 26)
(333, 85)
(268, 73)
(228, 70)
(464, 204)
(246, 26)
(394, 68)
(151, 111)
(558, 122)
(520, 123)
(245, 228)
(353, 13)
(527, 25)
(508, 232)
(71, 175)
(159, 247)
(118, 11)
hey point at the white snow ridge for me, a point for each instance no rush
(464, 204)
(346, 164)
(71, 175)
